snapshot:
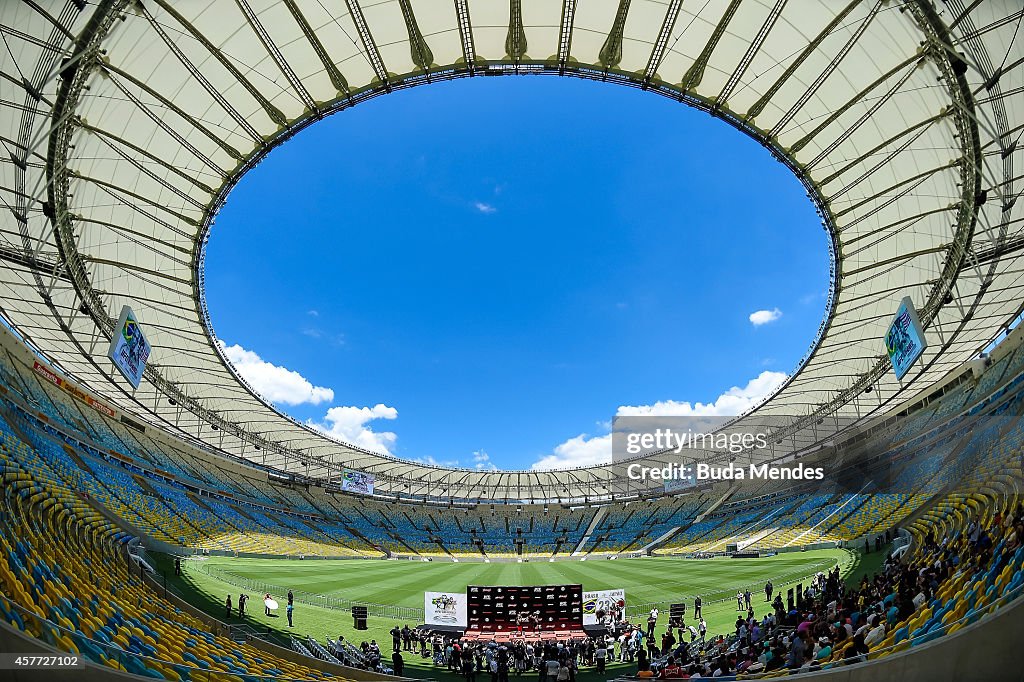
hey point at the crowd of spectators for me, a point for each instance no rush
(830, 623)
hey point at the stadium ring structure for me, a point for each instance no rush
(126, 123)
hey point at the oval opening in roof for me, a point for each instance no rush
(482, 272)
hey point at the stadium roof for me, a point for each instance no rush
(125, 124)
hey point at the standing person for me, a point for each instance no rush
(291, 598)
(177, 566)
(702, 629)
(739, 600)
(227, 605)
(642, 662)
(242, 598)
(266, 607)
(668, 641)
(288, 610)
(396, 638)
(747, 598)
(550, 667)
(397, 662)
(652, 620)
(697, 613)
(600, 654)
(768, 589)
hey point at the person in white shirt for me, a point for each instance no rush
(875, 635)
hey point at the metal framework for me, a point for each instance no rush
(126, 123)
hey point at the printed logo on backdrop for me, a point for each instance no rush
(445, 608)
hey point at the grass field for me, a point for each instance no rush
(402, 583)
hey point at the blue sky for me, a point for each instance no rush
(484, 272)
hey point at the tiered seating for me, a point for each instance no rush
(66, 581)
(186, 496)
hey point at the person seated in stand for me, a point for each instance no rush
(671, 671)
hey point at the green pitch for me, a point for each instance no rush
(659, 580)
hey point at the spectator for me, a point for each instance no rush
(671, 671)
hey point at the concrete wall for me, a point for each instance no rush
(14, 641)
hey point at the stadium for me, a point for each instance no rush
(146, 477)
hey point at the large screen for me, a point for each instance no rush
(552, 607)
(904, 342)
(129, 349)
(357, 482)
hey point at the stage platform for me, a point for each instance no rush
(527, 635)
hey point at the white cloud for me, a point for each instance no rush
(759, 317)
(484, 208)
(482, 461)
(581, 451)
(275, 383)
(313, 312)
(584, 450)
(433, 461)
(349, 424)
(734, 402)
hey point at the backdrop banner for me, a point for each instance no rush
(609, 602)
(444, 608)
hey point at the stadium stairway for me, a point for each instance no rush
(598, 515)
(660, 540)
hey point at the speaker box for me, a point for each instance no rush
(359, 623)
